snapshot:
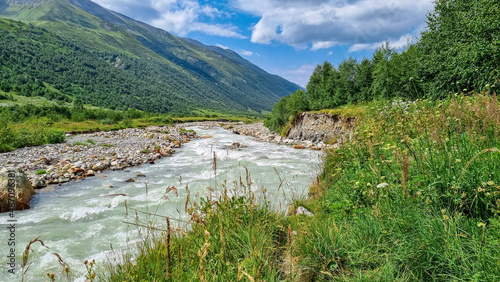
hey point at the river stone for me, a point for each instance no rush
(38, 182)
(23, 190)
(76, 170)
(304, 211)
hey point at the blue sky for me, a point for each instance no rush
(285, 37)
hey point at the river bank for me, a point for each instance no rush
(85, 155)
(88, 154)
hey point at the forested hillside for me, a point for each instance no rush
(76, 49)
(459, 51)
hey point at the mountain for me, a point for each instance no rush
(67, 49)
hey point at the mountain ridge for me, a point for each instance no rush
(207, 76)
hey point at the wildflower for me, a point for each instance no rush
(382, 185)
(481, 224)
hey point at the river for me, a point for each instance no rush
(80, 221)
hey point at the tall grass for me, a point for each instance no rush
(230, 239)
(414, 197)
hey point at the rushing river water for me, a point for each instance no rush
(80, 222)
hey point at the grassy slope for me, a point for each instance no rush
(414, 197)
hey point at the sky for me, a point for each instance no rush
(286, 37)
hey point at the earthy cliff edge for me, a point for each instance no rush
(315, 131)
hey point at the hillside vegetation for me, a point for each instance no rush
(75, 49)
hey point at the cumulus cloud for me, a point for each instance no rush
(248, 53)
(399, 43)
(299, 75)
(221, 46)
(178, 16)
(326, 23)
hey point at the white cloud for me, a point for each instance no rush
(326, 23)
(300, 75)
(246, 53)
(399, 43)
(221, 46)
(178, 16)
(249, 53)
(323, 45)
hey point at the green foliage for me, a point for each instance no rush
(183, 130)
(81, 144)
(285, 109)
(224, 244)
(143, 69)
(31, 132)
(41, 171)
(460, 47)
(458, 52)
(415, 196)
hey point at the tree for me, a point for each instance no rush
(381, 86)
(297, 102)
(346, 86)
(363, 80)
(461, 46)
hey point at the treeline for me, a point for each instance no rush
(458, 52)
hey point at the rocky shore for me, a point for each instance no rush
(262, 133)
(85, 155)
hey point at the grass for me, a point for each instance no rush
(349, 110)
(415, 196)
(223, 244)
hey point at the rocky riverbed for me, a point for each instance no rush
(86, 155)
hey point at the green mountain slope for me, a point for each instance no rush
(76, 48)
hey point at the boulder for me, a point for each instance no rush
(298, 146)
(76, 170)
(15, 190)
